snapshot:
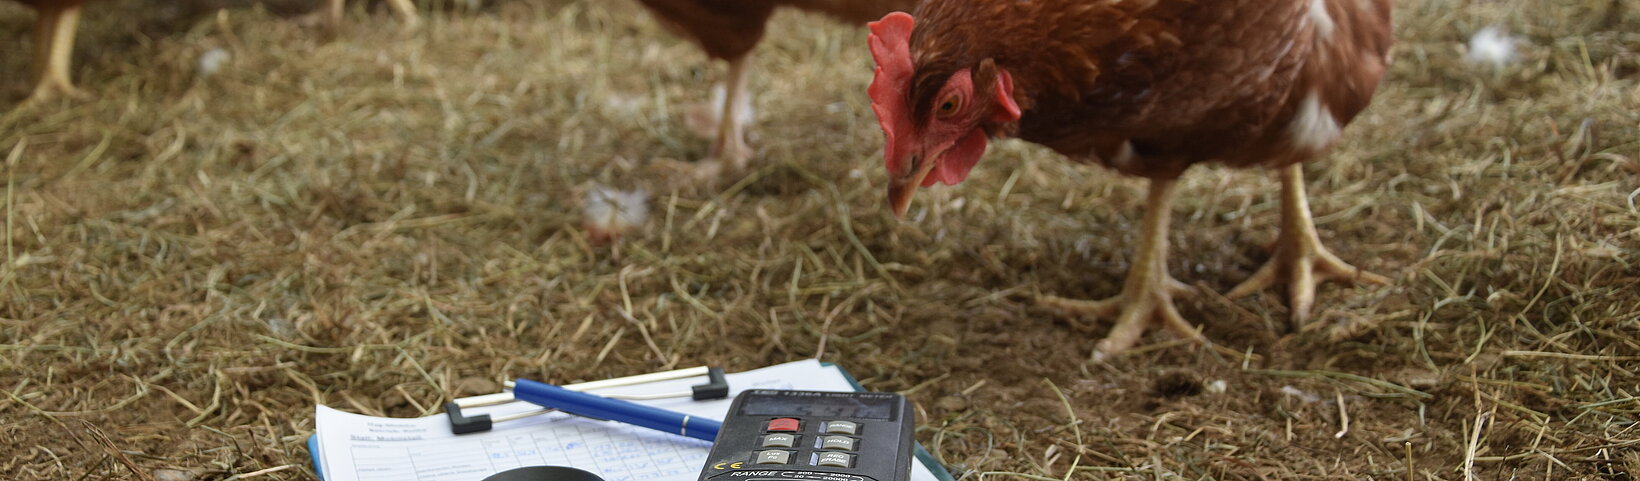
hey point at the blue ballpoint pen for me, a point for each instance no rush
(600, 407)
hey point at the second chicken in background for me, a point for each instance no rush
(729, 30)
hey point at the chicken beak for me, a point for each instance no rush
(902, 188)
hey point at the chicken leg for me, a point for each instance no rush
(724, 121)
(1299, 259)
(406, 11)
(404, 8)
(334, 11)
(730, 147)
(1147, 294)
(54, 51)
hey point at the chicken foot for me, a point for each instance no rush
(54, 52)
(1147, 294)
(1299, 258)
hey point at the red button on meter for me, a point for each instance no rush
(783, 424)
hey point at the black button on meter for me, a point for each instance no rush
(812, 435)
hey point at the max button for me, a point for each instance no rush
(779, 441)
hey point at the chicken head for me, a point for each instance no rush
(942, 141)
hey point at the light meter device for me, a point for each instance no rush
(772, 435)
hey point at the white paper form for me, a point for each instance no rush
(364, 448)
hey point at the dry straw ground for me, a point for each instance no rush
(378, 219)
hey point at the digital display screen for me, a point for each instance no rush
(820, 406)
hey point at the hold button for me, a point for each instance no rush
(837, 442)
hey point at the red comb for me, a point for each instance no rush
(891, 46)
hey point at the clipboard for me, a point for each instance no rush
(922, 455)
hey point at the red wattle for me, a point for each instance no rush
(954, 166)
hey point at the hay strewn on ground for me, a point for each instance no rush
(378, 219)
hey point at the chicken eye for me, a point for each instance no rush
(950, 105)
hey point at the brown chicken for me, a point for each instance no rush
(54, 46)
(730, 29)
(1147, 88)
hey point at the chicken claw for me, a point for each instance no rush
(1299, 258)
(1147, 294)
(1133, 313)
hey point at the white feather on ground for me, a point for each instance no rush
(1300, 394)
(1218, 386)
(1492, 46)
(624, 104)
(212, 60)
(608, 214)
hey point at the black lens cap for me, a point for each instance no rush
(544, 473)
